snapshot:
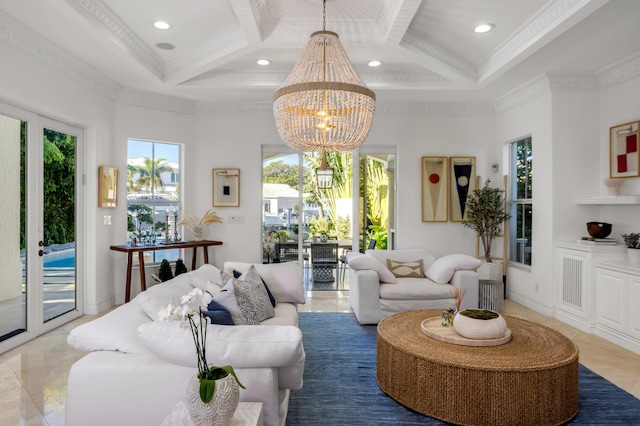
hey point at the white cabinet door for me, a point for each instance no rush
(611, 299)
(633, 303)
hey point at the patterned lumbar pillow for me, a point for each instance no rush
(411, 269)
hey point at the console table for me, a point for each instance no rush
(141, 249)
(531, 380)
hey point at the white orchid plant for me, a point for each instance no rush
(191, 305)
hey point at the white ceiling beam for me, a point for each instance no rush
(252, 18)
(395, 17)
(540, 30)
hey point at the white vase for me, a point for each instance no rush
(490, 271)
(199, 232)
(219, 411)
(480, 329)
(633, 255)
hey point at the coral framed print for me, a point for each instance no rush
(226, 187)
(435, 174)
(107, 187)
(463, 182)
(623, 145)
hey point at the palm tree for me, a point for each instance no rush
(151, 172)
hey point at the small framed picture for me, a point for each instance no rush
(463, 182)
(226, 187)
(435, 174)
(624, 157)
(107, 187)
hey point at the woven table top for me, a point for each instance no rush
(532, 347)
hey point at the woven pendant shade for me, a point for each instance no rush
(324, 105)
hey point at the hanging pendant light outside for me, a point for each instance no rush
(324, 174)
(324, 105)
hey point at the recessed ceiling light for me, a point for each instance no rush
(483, 28)
(374, 63)
(263, 62)
(162, 25)
(165, 46)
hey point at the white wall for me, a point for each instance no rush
(533, 118)
(30, 84)
(618, 104)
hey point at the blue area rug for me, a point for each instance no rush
(340, 386)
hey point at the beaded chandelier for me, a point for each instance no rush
(324, 105)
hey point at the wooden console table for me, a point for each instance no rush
(141, 249)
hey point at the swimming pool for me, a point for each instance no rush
(60, 259)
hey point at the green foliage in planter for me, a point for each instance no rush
(632, 240)
(165, 273)
(482, 314)
(485, 214)
(181, 268)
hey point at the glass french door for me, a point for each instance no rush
(39, 257)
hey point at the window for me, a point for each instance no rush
(153, 192)
(521, 201)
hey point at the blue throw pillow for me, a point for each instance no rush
(217, 314)
(237, 275)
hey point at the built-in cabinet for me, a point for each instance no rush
(599, 292)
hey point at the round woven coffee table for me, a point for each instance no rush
(532, 380)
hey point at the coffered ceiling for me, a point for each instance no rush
(428, 49)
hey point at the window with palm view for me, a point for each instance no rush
(153, 190)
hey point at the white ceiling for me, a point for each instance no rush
(428, 48)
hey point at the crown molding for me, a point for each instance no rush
(97, 12)
(572, 83)
(26, 40)
(435, 51)
(526, 93)
(619, 72)
(228, 108)
(435, 109)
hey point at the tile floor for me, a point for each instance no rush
(33, 376)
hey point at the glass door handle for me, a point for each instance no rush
(41, 243)
(40, 252)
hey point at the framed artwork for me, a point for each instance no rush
(435, 174)
(226, 187)
(623, 145)
(463, 182)
(107, 187)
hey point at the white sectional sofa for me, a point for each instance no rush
(138, 368)
(375, 292)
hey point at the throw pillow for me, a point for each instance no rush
(251, 296)
(411, 269)
(284, 279)
(238, 274)
(363, 262)
(227, 299)
(217, 314)
(442, 270)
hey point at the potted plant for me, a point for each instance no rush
(213, 394)
(632, 241)
(282, 236)
(199, 227)
(485, 214)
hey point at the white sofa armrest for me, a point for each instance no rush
(464, 279)
(364, 295)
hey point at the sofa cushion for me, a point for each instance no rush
(358, 262)
(251, 296)
(217, 314)
(442, 270)
(114, 331)
(412, 269)
(284, 279)
(404, 255)
(241, 346)
(227, 299)
(415, 289)
(156, 298)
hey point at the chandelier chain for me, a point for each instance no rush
(324, 15)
